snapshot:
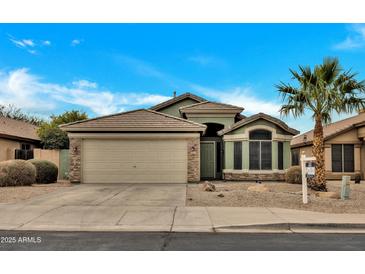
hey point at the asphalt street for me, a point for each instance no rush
(156, 241)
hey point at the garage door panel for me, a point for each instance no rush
(134, 161)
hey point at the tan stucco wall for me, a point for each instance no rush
(7, 149)
(52, 155)
(349, 137)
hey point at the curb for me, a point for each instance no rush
(294, 227)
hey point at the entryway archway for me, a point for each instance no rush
(211, 152)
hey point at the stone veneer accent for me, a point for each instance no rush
(194, 160)
(245, 176)
(75, 160)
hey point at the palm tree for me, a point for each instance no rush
(325, 90)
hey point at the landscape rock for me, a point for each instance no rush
(331, 195)
(207, 186)
(258, 188)
(221, 195)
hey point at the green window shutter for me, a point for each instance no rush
(237, 160)
(280, 155)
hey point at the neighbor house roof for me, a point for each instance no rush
(142, 120)
(178, 99)
(258, 116)
(209, 107)
(15, 129)
(330, 130)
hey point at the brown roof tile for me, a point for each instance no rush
(137, 120)
(18, 129)
(329, 131)
(177, 99)
(210, 106)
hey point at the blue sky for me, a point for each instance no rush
(106, 68)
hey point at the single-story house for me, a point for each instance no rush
(17, 139)
(185, 139)
(344, 147)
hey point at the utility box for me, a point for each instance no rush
(345, 187)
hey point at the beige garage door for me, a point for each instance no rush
(134, 161)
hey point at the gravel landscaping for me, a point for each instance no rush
(21, 193)
(280, 195)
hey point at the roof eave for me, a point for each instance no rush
(101, 129)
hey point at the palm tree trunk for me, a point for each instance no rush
(319, 182)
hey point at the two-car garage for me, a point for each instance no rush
(134, 161)
(141, 146)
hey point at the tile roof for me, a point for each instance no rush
(329, 130)
(210, 106)
(18, 129)
(136, 120)
(255, 117)
(177, 99)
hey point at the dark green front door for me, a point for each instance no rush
(207, 160)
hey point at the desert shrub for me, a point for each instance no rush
(17, 173)
(294, 175)
(357, 178)
(47, 171)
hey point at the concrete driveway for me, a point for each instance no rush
(169, 195)
(98, 206)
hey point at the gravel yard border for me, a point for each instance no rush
(281, 195)
(16, 194)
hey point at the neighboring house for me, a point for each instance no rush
(184, 139)
(17, 139)
(343, 147)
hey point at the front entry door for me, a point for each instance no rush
(207, 160)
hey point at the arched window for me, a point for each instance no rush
(260, 150)
(260, 134)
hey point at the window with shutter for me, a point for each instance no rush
(237, 161)
(280, 155)
(260, 149)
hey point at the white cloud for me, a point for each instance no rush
(31, 93)
(356, 38)
(29, 45)
(46, 43)
(75, 42)
(241, 96)
(84, 84)
(28, 42)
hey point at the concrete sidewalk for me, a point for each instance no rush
(175, 219)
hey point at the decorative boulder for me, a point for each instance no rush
(208, 187)
(330, 195)
(258, 188)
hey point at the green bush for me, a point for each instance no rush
(47, 171)
(17, 173)
(294, 175)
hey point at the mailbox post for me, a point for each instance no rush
(308, 171)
